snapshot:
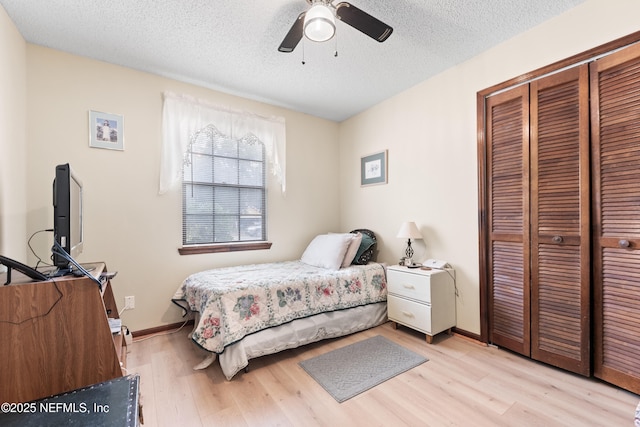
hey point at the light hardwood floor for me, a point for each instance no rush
(463, 384)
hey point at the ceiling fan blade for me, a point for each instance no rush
(294, 35)
(363, 22)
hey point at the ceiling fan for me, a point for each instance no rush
(318, 23)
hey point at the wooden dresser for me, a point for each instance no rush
(55, 335)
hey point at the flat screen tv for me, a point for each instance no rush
(67, 216)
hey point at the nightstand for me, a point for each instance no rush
(424, 300)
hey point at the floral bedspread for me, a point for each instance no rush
(236, 301)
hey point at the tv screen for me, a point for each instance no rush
(67, 213)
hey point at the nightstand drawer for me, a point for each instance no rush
(414, 286)
(409, 313)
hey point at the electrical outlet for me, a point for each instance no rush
(129, 302)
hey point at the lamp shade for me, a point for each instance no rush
(319, 23)
(408, 230)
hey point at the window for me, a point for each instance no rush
(224, 190)
(223, 178)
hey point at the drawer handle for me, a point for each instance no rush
(409, 286)
(407, 314)
(624, 243)
(557, 239)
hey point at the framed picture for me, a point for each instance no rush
(373, 169)
(106, 130)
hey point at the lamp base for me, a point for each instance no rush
(408, 253)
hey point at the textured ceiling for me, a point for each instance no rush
(232, 46)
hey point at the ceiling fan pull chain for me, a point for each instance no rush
(335, 53)
(303, 43)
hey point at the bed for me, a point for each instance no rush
(243, 312)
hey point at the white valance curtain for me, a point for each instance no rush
(183, 116)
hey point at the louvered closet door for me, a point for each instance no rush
(560, 227)
(615, 109)
(507, 133)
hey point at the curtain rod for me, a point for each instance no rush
(209, 104)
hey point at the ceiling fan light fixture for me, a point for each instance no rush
(319, 23)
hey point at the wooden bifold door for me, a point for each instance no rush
(560, 186)
(538, 187)
(615, 118)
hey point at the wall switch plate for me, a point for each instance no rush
(129, 303)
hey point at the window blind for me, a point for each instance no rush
(224, 189)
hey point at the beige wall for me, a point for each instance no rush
(127, 224)
(430, 132)
(13, 151)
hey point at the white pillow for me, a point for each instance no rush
(352, 250)
(327, 251)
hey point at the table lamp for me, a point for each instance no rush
(409, 231)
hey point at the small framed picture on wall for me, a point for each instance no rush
(106, 130)
(373, 169)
